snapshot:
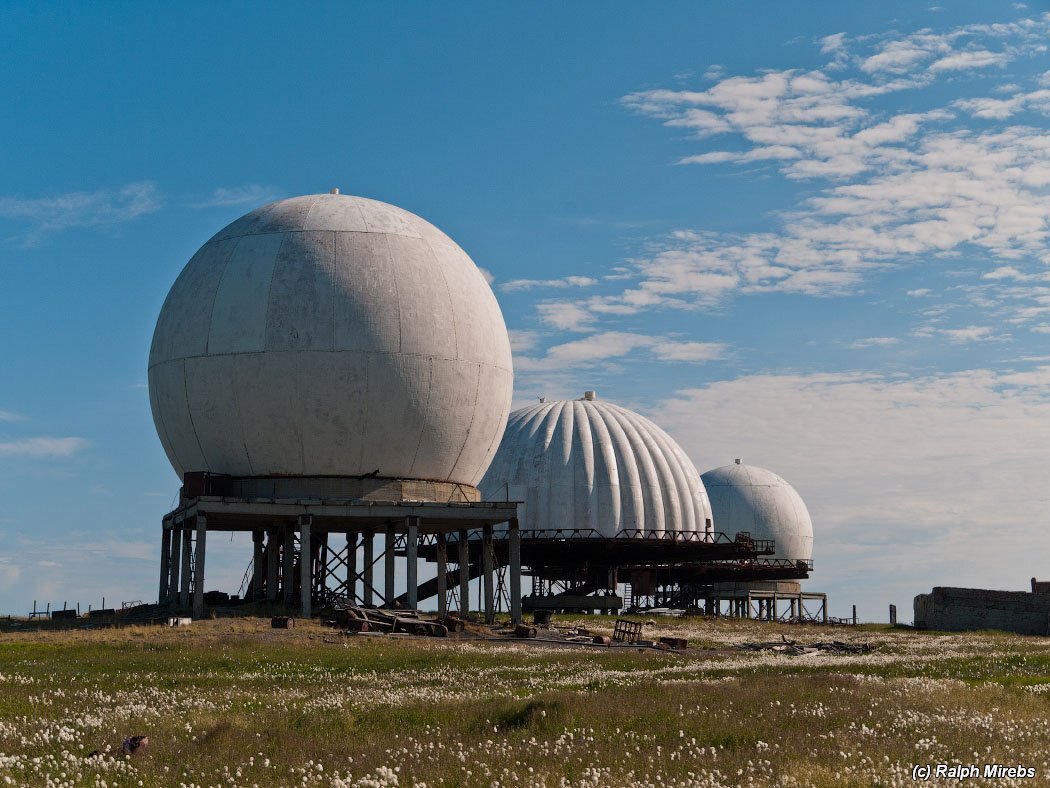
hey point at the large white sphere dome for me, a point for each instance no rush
(748, 498)
(331, 335)
(588, 464)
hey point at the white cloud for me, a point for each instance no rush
(565, 316)
(521, 340)
(891, 189)
(833, 43)
(908, 479)
(601, 347)
(42, 447)
(875, 342)
(489, 277)
(45, 215)
(919, 292)
(960, 61)
(566, 281)
(6, 415)
(1000, 109)
(250, 194)
(970, 334)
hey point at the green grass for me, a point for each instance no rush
(232, 702)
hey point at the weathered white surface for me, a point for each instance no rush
(592, 464)
(331, 335)
(748, 498)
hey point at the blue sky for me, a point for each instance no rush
(812, 236)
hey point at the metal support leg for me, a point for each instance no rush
(351, 567)
(442, 574)
(369, 558)
(464, 573)
(487, 572)
(198, 572)
(174, 566)
(187, 567)
(165, 565)
(288, 567)
(257, 563)
(514, 549)
(305, 564)
(412, 569)
(273, 563)
(388, 568)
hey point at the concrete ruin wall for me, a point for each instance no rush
(961, 609)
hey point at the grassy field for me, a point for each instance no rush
(231, 702)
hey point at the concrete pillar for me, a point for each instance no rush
(165, 566)
(514, 559)
(174, 566)
(273, 562)
(442, 573)
(369, 569)
(388, 568)
(288, 567)
(412, 556)
(488, 574)
(351, 566)
(198, 572)
(187, 567)
(306, 585)
(257, 563)
(464, 573)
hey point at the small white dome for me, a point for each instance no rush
(748, 498)
(331, 335)
(590, 464)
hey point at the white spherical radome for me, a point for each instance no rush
(331, 335)
(591, 465)
(753, 499)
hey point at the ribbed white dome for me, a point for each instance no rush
(331, 335)
(748, 498)
(594, 465)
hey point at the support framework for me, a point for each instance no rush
(309, 549)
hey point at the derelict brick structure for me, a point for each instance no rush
(962, 609)
(328, 372)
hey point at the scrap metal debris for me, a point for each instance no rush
(370, 619)
(785, 646)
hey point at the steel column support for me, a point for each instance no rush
(487, 573)
(464, 573)
(305, 565)
(257, 563)
(412, 556)
(198, 570)
(165, 565)
(388, 567)
(351, 567)
(369, 559)
(514, 550)
(273, 559)
(187, 567)
(288, 566)
(174, 565)
(442, 573)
